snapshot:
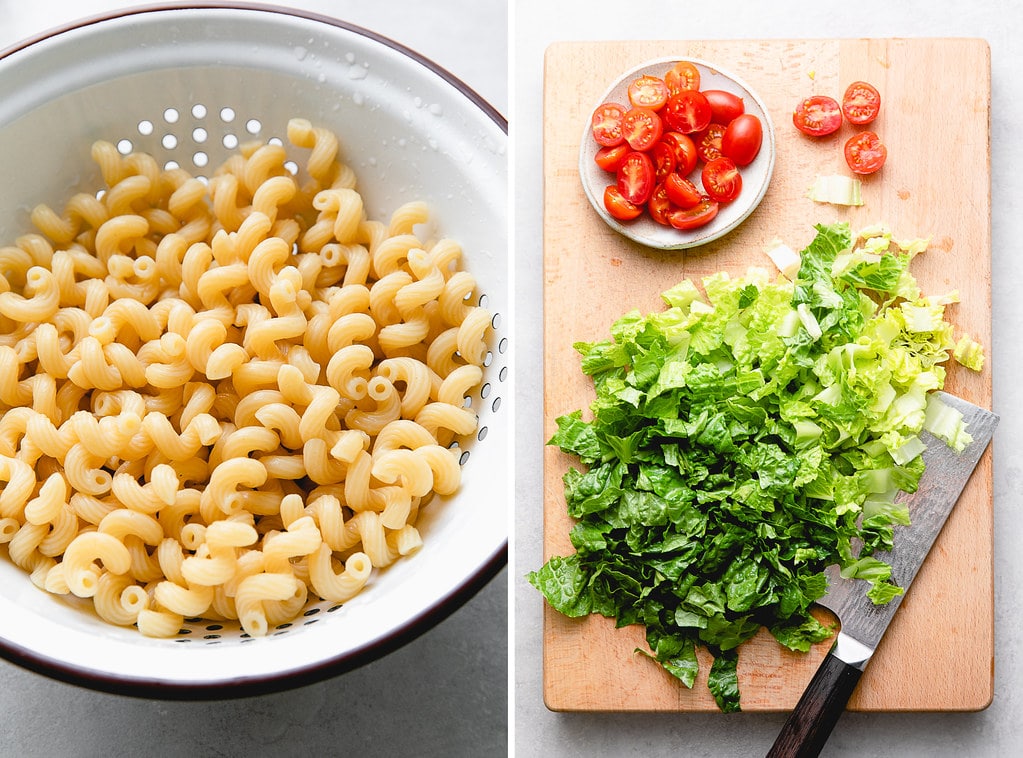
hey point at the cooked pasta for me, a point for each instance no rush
(221, 398)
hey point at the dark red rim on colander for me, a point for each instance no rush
(330, 667)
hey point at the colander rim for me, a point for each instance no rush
(348, 660)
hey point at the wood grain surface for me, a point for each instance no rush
(938, 653)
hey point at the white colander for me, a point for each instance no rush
(187, 85)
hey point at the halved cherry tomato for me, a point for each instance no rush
(865, 153)
(607, 124)
(708, 142)
(686, 156)
(722, 180)
(724, 106)
(687, 112)
(861, 103)
(697, 216)
(659, 205)
(648, 92)
(609, 158)
(742, 139)
(635, 178)
(682, 76)
(817, 115)
(619, 207)
(663, 156)
(642, 128)
(681, 191)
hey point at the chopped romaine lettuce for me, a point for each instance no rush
(836, 189)
(969, 353)
(742, 441)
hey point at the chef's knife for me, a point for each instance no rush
(863, 623)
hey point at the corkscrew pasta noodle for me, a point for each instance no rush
(222, 397)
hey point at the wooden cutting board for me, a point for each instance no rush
(939, 651)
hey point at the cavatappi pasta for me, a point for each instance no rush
(220, 398)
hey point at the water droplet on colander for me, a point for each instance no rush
(350, 57)
(358, 98)
(357, 72)
(301, 53)
(321, 78)
(418, 102)
(433, 144)
(437, 109)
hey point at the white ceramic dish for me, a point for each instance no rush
(755, 177)
(186, 84)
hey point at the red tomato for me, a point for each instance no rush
(619, 207)
(609, 158)
(607, 124)
(642, 128)
(708, 143)
(742, 139)
(697, 216)
(865, 153)
(681, 191)
(722, 180)
(663, 156)
(659, 205)
(861, 103)
(685, 151)
(817, 116)
(648, 92)
(636, 177)
(724, 106)
(687, 112)
(682, 76)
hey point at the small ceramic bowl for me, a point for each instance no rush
(755, 177)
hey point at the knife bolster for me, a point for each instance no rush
(852, 651)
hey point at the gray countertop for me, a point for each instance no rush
(445, 693)
(993, 732)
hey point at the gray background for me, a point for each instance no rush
(996, 731)
(444, 694)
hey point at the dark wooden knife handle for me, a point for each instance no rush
(815, 715)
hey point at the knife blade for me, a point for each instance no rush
(862, 623)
